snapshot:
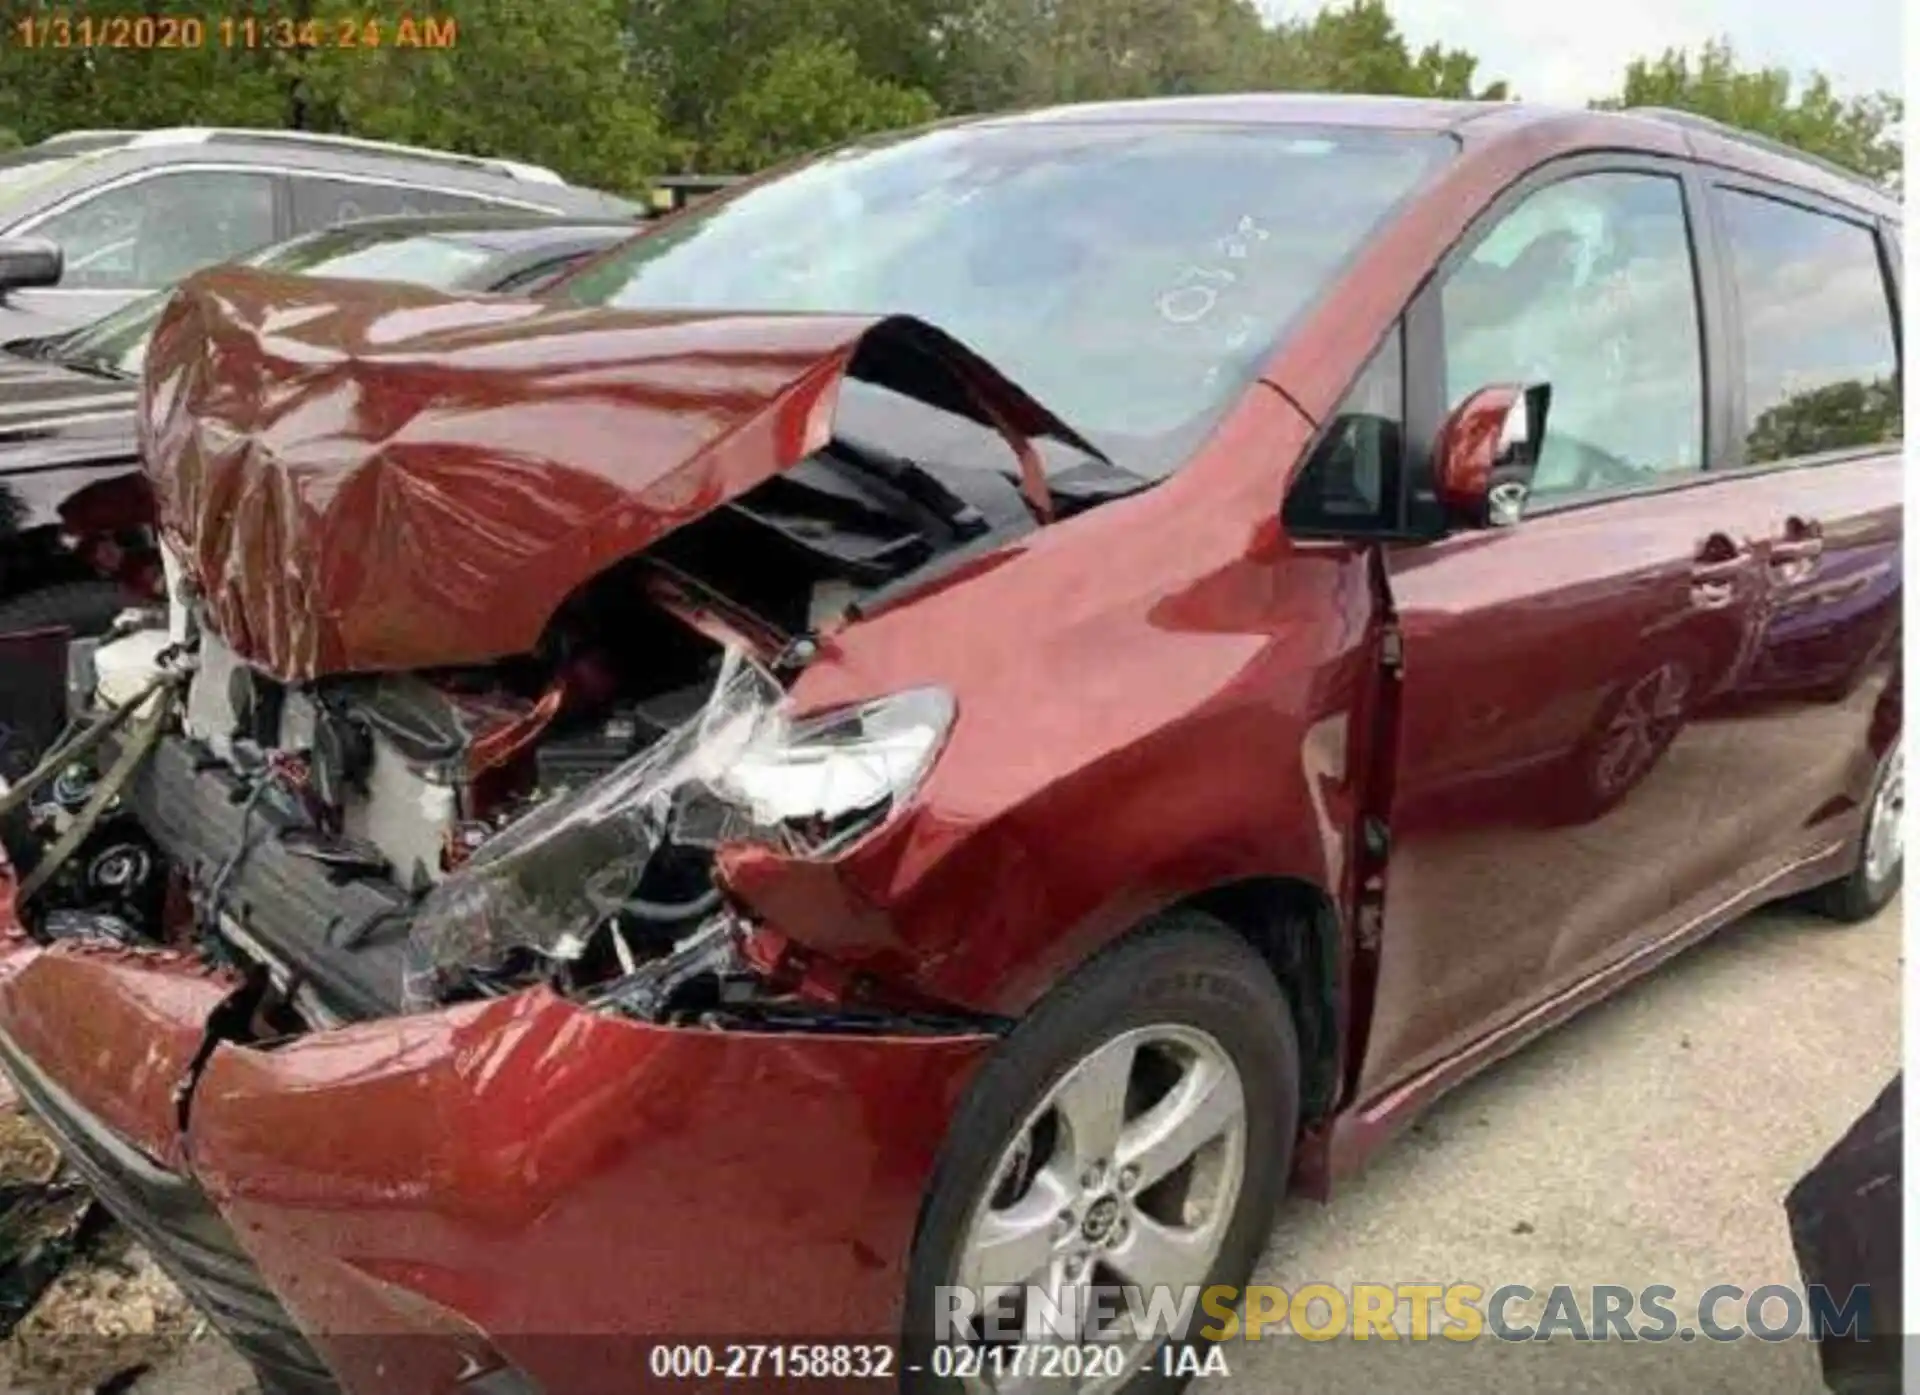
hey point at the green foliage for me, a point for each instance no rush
(45, 90)
(805, 95)
(1000, 53)
(1862, 133)
(1357, 47)
(1087, 50)
(700, 56)
(613, 92)
(1847, 413)
(528, 79)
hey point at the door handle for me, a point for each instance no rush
(1716, 571)
(1791, 555)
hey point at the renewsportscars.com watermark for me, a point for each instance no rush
(1416, 1312)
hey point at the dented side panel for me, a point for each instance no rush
(532, 1169)
(1192, 720)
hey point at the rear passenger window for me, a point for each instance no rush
(1820, 361)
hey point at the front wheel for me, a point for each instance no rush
(1881, 858)
(1133, 1133)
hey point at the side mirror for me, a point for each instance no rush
(29, 261)
(1485, 454)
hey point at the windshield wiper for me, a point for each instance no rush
(93, 367)
(36, 346)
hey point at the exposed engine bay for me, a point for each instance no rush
(482, 617)
(370, 844)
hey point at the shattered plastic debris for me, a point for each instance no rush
(549, 881)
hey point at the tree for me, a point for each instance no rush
(1102, 49)
(1358, 47)
(699, 56)
(1852, 412)
(1861, 133)
(46, 89)
(805, 95)
(522, 78)
(1014, 52)
(612, 92)
(527, 79)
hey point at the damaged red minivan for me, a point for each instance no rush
(959, 715)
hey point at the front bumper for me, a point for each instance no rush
(521, 1191)
(169, 1214)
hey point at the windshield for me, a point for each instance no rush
(118, 342)
(1131, 277)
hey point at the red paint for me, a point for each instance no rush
(1162, 697)
(1469, 449)
(104, 522)
(978, 894)
(657, 1182)
(12, 932)
(409, 480)
(120, 1028)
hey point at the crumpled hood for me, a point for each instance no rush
(368, 477)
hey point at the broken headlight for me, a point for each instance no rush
(838, 772)
(743, 770)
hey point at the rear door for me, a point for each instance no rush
(1549, 671)
(1811, 472)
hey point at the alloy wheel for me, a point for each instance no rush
(1886, 821)
(1126, 1173)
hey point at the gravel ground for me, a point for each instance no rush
(1649, 1141)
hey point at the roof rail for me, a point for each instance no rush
(1674, 116)
(73, 137)
(203, 135)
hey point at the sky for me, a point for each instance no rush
(1569, 51)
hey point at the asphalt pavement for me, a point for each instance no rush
(1650, 1140)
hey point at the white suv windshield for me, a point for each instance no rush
(1131, 277)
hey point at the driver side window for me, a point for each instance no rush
(1588, 285)
(153, 231)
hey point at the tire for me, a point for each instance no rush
(1185, 975)
(85, 607)
(1865, 891)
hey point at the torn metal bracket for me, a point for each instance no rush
(83, 742)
